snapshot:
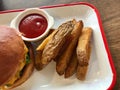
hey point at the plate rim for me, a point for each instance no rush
(101, 30)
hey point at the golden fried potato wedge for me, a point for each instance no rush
(83, 53)
(63, 60)
(72, 66)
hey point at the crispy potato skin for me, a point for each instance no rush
(55, 44)
(83, 46)
(70, 50)
(72, 66)
(44, 43)
(39, 51)
(63, 60)
(83, 53)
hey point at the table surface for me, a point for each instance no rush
(110, 15)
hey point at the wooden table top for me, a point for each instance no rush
(110, 15)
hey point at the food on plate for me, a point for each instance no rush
(65, 45)
(83, 52)
(16, 60)
(57, 41)
(39, 50)
(63, 60)
(72, 66)
(69, 46)
(38, 63)
(82, 70)
(43, 44)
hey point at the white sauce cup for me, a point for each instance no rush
(16, 21)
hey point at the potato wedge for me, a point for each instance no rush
(72, 66)
(55, 44)
(63, 60)
(39, 51)
(43, 44)
(83, 53)
(83, 46)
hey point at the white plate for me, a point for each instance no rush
(101, 73)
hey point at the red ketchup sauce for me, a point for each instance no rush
(33, 25)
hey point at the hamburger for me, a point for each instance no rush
(16, 59)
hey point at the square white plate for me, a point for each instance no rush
(101, 73)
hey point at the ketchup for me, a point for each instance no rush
(33, 25)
